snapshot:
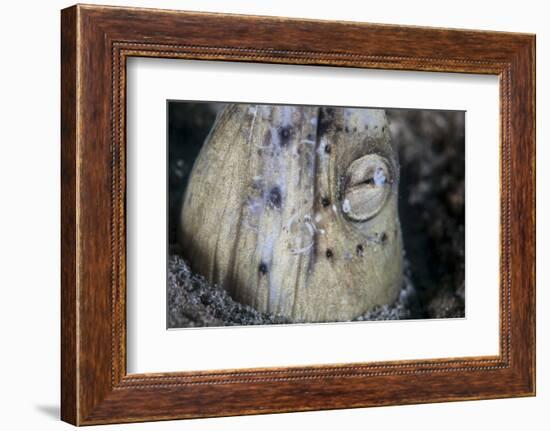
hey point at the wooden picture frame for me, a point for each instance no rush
(96, 41)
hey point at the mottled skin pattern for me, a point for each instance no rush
(293, 210)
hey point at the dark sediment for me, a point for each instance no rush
(431, 206)
(193, 302)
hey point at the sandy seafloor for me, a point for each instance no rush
(431, 210)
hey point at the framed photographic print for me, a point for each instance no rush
(265, 214)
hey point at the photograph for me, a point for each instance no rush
(299, 214)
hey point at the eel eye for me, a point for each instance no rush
(368, 185)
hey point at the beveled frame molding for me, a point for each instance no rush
(95, 42)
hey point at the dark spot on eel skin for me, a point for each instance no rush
(325, 201)
(338, 128)
(347, 129)
(325, 120)
(274, 198)
(262, 268)
(327, 149)
(284, 134)
(360, 250)
(383, 237)
(329, 253)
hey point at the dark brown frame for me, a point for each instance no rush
(95, 43)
